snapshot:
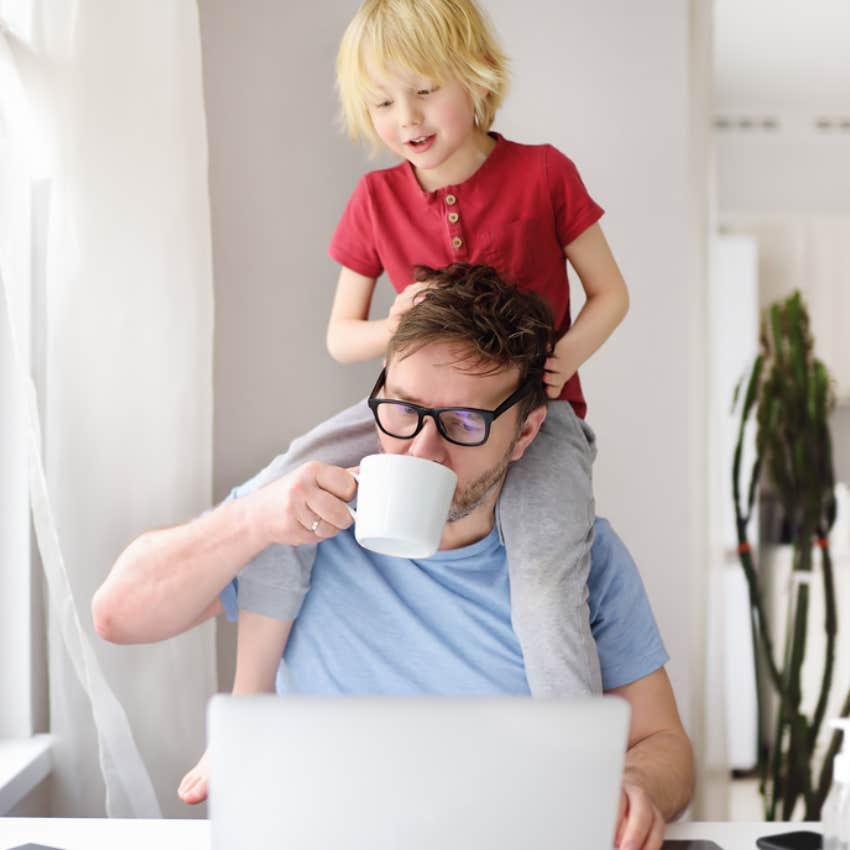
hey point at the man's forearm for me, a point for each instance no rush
(165, 579)
(662, 764)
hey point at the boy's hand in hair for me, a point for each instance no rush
(557, 373)
(404, 301)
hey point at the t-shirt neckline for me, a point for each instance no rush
(490, 541)
(482, 170)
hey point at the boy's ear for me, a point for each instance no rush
(482, 93)
(528, 431)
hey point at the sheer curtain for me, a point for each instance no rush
(102, 107)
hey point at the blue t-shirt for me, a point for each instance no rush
(373, 624)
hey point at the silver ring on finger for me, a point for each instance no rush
(314, 527)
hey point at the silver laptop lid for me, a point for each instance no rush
(414, 774)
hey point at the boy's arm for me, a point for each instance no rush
(167, 581)
(352, 337)
(606, 305)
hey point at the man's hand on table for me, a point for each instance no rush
(640, 824)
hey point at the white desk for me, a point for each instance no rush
(97, 834)
(83, 834)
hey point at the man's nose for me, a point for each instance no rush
(428, 443)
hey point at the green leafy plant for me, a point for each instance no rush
(788, 396)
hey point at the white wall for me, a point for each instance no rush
(790, 172)
(280, 174)
(607, 82)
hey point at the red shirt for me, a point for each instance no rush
(515, 213)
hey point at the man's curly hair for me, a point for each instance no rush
(494, 322)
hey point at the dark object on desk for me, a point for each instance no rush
(690, 845)
(802, 840)
(34, 847)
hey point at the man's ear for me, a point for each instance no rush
(528, 431)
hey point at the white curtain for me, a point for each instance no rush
(106, 114)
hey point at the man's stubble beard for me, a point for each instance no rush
(478, 491)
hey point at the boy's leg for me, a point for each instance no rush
(260, 645)
(546, 515)
(275, 582)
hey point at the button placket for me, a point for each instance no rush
(455, 230)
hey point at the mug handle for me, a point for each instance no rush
(351, 510)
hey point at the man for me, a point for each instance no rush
(439, 625)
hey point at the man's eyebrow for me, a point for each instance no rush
(398, 394)
(401, 395)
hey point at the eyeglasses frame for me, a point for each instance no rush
(489, 416)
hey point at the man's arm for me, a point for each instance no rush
(167, 581)
(658, 778)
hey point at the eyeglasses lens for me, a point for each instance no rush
(463, 426)
(398, 419)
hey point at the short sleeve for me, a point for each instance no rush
(621, 619)
(353, 242)
(230, 592)
(573, 207)
(229, 598)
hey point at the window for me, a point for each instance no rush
(24, 761)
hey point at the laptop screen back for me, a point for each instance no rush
(415, 774)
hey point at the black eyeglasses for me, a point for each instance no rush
(463, 426)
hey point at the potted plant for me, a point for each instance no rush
(788, 397)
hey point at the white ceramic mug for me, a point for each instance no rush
(402, 504)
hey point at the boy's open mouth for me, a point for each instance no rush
(421, 143)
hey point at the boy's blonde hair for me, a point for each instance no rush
(437, 39)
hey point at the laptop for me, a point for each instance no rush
(435, 773)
